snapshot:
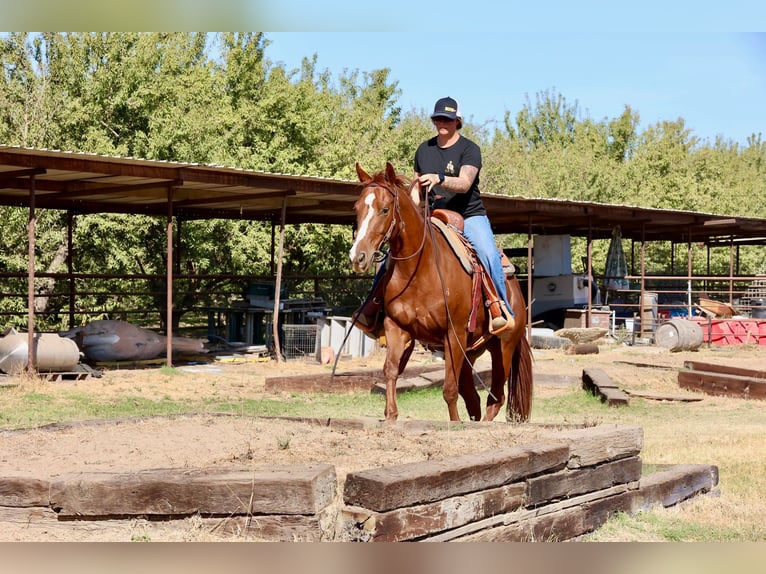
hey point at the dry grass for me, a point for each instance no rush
(725, 432)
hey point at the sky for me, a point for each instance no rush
(700, 60)
(715, 81)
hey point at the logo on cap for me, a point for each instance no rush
(448, 108)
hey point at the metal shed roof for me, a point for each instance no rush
(91, 183)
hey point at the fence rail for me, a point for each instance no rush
(653, 299)
(77, 298)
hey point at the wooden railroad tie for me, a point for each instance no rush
(598, 383)
(723, 380)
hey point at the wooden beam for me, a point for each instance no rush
(234, 198)
(387, 488)
(282, 489)
(14, 175)
(90, 164)
(597, 382)
(85, 191)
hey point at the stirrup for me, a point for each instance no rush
(502, 325)
(371, 324)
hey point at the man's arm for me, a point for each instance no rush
(456, 184)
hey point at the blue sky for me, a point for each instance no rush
(702, 60)
(716, 81)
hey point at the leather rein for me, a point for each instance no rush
(397, 218)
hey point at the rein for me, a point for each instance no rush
(392, 227)
(429, 231)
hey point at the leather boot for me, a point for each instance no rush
(369, 317)
(501, 322)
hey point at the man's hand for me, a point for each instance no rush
(428, 180)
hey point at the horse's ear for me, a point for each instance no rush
(363, 176)
(390, 172)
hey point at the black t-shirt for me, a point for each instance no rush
(430, 158)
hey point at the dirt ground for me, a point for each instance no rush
(196, 441)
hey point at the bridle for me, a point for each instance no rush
(396, 218)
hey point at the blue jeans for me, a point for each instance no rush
(479, 233)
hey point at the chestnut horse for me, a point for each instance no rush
(428, 299)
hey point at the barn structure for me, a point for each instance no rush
(81, 183)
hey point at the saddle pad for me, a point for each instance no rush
(458, 243)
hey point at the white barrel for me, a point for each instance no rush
(52, 353)
(679, 335)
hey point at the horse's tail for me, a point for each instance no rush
(520, 383)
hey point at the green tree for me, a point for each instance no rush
(217, 98)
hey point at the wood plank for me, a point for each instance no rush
(284, 489)
(351, 381)
(724, 369)
(614, 397)
(276, 527)
(597, 382)
(583, 349)
(599, 511)
(390, 487)
(758, 390)
(505, 526)
(409, 384)
(595, 445)
(341, 383)
(43, 525)
(27, 515)
(647, 365)
(664, 396)
(671, 486)
(437, 375)
(24, 491)
(723, 385)
(554, 527)
(597, 379)
(360, 524)
(568, 483)
(262, 527)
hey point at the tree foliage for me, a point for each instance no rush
(218, 99)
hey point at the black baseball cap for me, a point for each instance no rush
(447, 108)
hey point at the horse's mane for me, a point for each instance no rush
(402, 182)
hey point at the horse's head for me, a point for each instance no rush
(377, 211)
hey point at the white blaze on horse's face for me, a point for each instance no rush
(361, 258)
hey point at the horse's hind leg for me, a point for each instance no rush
(501, 354)
(453, 366)
(467, 390)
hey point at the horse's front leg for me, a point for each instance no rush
(453, 364)
(398, 350)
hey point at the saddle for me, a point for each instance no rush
(450, 224)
